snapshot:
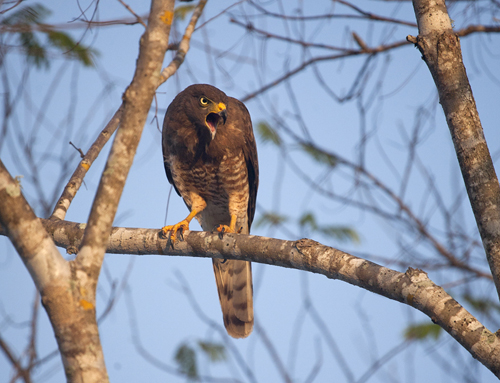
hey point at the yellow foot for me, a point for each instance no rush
(229, 229)
(224, 229)
(179, 227)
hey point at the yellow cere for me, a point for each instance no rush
(221, 106)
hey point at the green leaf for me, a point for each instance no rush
(319, 155)
(268, 134)
(422, 331)
(308, 219)
(271, 219)
(31, 14)
(183, 10)
(481, 305)
(216, 352)
(67, 45)
(186, 360)
(341, 233)
(35, 52)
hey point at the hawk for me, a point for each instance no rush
(210, 158)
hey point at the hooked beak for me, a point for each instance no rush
(215, 117)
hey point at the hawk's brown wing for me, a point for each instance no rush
(166, 147)
(250, 152)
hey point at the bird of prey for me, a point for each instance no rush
(210, 158)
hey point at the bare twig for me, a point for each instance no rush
(363, 15)
(73, 185)
(268, 35)
(273, 353)
(21, 372)
(351, 52)
(77, 149)
(139, 19)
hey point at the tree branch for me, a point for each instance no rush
(412, 287)
(440, 48)
(76, 179)
(73, 185)
(346, 52)
(183, 47)
(35, 247)
(137, 100)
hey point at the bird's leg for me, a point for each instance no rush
(229, 229)
(182, 226)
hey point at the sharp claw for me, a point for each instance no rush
(181, 233)
(171, 243)
(176, 231)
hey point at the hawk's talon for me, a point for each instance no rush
(224, 229)
(174, 229)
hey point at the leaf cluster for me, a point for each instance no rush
(36, 38)
(308, 222)
(186, 356)
(340, 233)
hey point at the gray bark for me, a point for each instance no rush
(440, 48)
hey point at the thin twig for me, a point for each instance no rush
(364, 16)
(21, 372)
(77, 149)
(139, 19)
(351, 52)
(76, 179)
(273, 352)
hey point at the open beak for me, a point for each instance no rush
(215, 117)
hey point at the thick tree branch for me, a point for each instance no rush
(137, 100)
(71, 315)
(35, 247)
(413, 287)
(440, 48)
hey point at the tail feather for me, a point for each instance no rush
(234, 285)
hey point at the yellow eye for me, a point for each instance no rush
(203, 101)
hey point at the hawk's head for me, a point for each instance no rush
(206, 107)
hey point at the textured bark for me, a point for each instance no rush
(35, 247)
(412, 287)
(71, 315)
(68, 288)
(440, 48)
(137, 100)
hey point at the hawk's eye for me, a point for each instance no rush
(203, 101)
